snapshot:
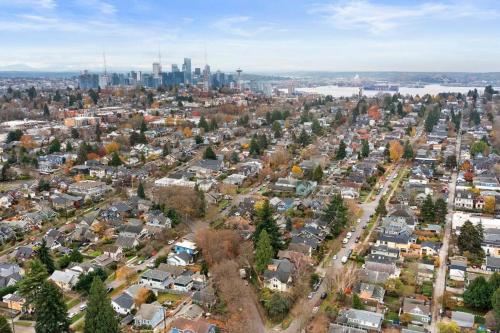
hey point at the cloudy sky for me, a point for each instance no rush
(256, 35)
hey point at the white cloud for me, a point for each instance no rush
(43, 4)
(241, 26)
(377, 18)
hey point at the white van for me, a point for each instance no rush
(345, 241)
(349, 235)
(344, 259)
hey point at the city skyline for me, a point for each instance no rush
(351, 35)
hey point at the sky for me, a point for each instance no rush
(254, 35)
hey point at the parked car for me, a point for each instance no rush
(324, 295)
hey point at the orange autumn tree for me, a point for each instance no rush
(27, 142)
(373, 112)
(395, 150)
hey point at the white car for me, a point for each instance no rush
(345, 241)
(344, 259)
(335, 257)
(71, 315)
(349, 235)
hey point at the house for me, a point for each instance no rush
(430, 248)
(419, 310)
(458, 269)
(157, 221)
(123, 304)
(156, 279)
(186, 246)
(205, 297)
(491, 242)
(185, 325)
(88, 188)
(14, 301)
(126, 241)
(360, 319)
(369, 292)
(183, 283)
(66, 279)
(9, 274)
(493, 264)
(181, 259)
(235, 179)
(381, 263)
(113, 251)
(463, 319)
(149, 315)
(464, 199)
(278, 275)
(23, 253)
(304, 188)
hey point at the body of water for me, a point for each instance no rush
(432, 89)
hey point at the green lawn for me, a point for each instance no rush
(72, 302)
(24, 323)
(164, 297)
(77, 317)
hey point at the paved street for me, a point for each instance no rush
(440, 282)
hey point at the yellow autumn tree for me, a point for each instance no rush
(112, 147)
(142, 297)
(395, 150)
(296, 170)
(187, 132)
(489, 204)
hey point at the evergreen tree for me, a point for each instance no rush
(75, 256)
(470, 239)
(209, 154)
(356, 302)
(213, 124)
(317, 174)
(289, 225)
(495, 302)
(427, 212)
(440, 210)
(143, 127)
(115, 159)
(201, 197)
(166, 150)
(140, 191)
(304, 139)
(277, 130)
(100, 316)
(45, 257)
(316, 127)
(365, 148)
(264, 251)
(335, 214)
(203, 123)
(55, 146)
(30, 285)
(4, 325)
(451, 162)
(234, 157)
(254, 148)
(74, 133)
(50, 310)
(198, 139)
(46, 112)
(478, 294)
(408, 151)
(265, 221)
(381, 209)
(69, 146)
(341, 153)
(262, 142)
